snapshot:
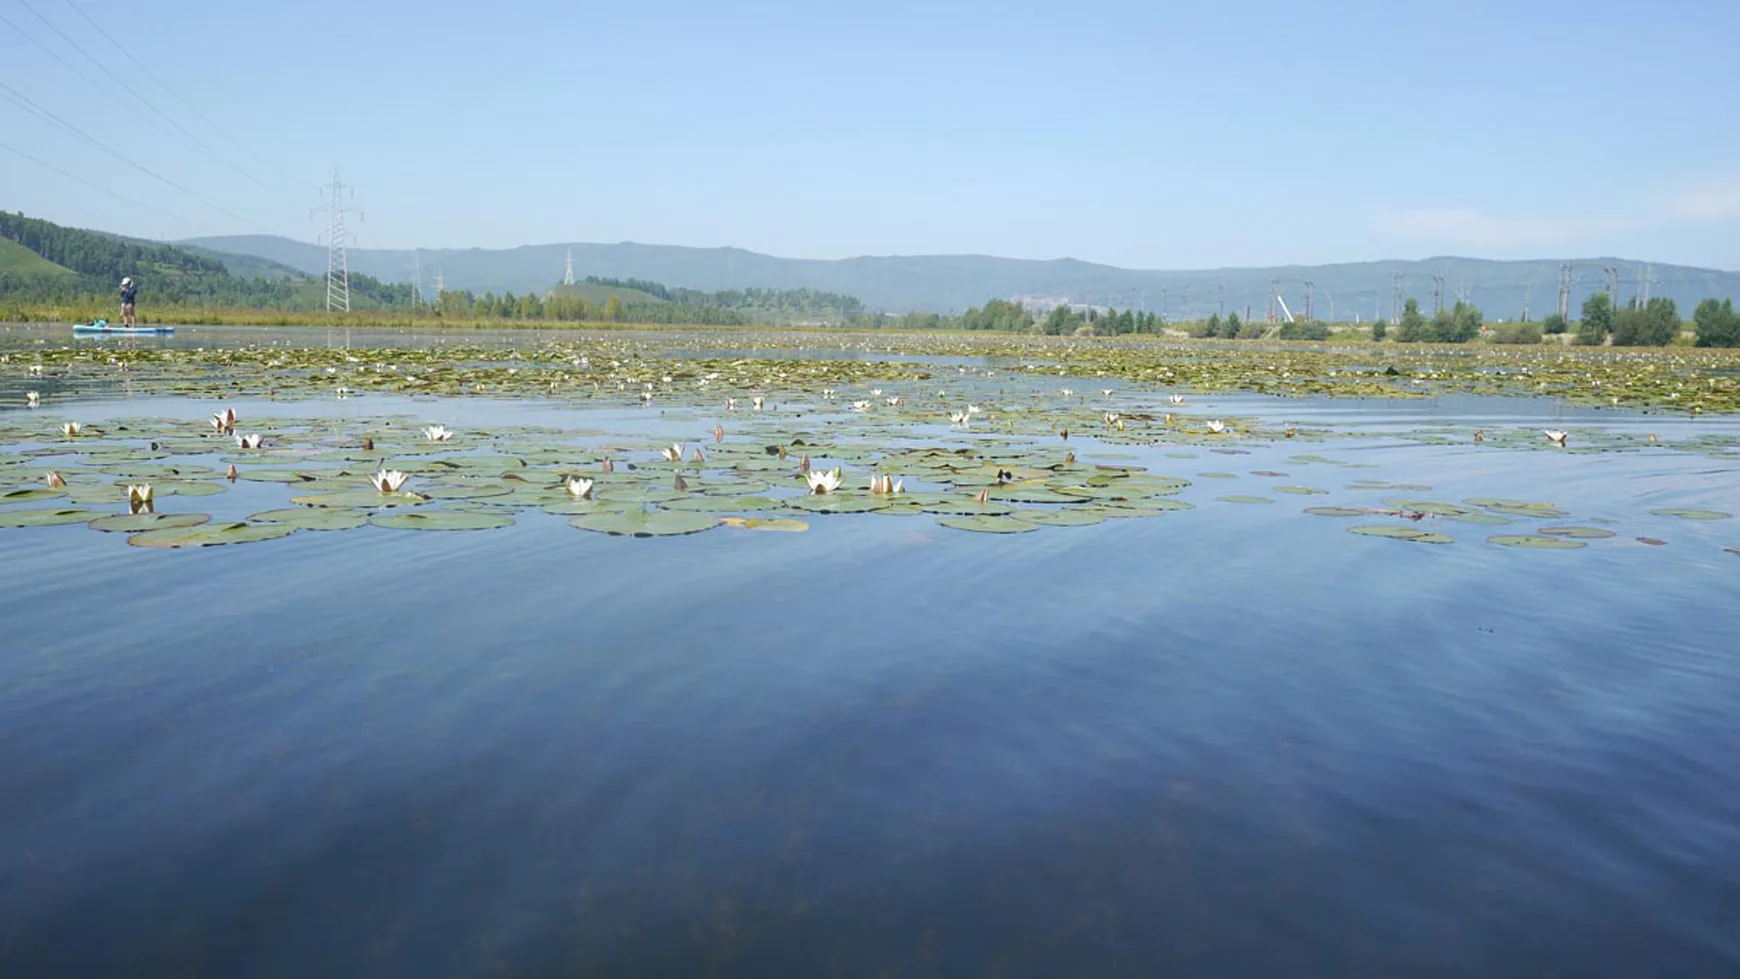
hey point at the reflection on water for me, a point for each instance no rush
(1229, 741)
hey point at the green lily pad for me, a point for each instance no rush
(646, 523)
(46, 518)
(442, 520)
(777, 524)
(1019, 493)
(314, 518)
(834, 503)
(1148, 505)
(480, 492)
(989, 524)
(274, 476)
(364, 498)
(1067, 517)
(722, 504)
(1585, 533)
(1301, 490)
(1416, 534)
(1336, 511)
(959, 506)
(130, 522)
(1244, 499)
(172, 487)
(1693, 514)
(1535, 540)
(24, 494)
(210, 535)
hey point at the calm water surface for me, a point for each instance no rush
(1232, 741)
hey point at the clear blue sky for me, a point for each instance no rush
(1156, 135)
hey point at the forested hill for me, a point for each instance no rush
(74, 264)
(945, 283)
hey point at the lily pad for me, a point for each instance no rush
(130, 522)
(1585, 533)
(442, 520)
(966, 507)
(1535, 540)
(722, 504)
(777, 524)
(646, 523)
(1244, 499)
(314, 518)
(480, 492)
(25, 494)
(1336, 511)
(1066, 517)
(210, 535)
(364, 498)
(274, 476)
(1301, 490)
(1693, 514)
(1416, 534)
(832, 503)
(46, 518)
(989, 524)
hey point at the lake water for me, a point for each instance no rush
(1229, 741)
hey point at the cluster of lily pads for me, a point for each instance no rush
(686, 368)
(992, 468)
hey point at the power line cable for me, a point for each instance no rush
(140, 98)
(187, 103)
(19, 98)
(100, 188)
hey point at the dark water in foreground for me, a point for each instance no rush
(1232, 741)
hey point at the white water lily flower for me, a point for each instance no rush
(140, 493)
(1106, 391)
(32, 398)
(250, 441)
(1068, 393)
(1178, 399)
(894, 401)
(886, 485)
(646, 396)
(959, 418)
(56, 480)
(36, 370)
(1111, 418)
(71, 428)
(579, 487)
(672, 454)
(1555, 436)
(974, 409)
(758, 402)
(1217, 426)
(823, 482)
(827, 394)
(860, 406)
(730, 404)
(389, 480)
(437, 433)
(875, 392)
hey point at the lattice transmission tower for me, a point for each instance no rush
(337, 263)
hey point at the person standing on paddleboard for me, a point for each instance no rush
(129, 289)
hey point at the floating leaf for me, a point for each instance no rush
(1244, 499)
(480, 492)
(1336, 511)
(31, 493)
(45, 518)
(364, 498)
(129, 522)
(1067, 517)
(989, 525)
(722, 504)
(966, 507)
(1693, 514)
(1535, 540)
(1415, 534)
(210, 535)
(442, 520)
(314, 518)
(1301, 490)
(646, 523)
(767, 523)
(1586, 533)
(275, 476)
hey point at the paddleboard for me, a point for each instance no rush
(102, 327)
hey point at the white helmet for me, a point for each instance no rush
(127, 281)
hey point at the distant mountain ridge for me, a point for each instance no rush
(949, 283)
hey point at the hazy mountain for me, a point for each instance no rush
(954, 282)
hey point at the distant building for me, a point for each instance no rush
(1039, 307)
